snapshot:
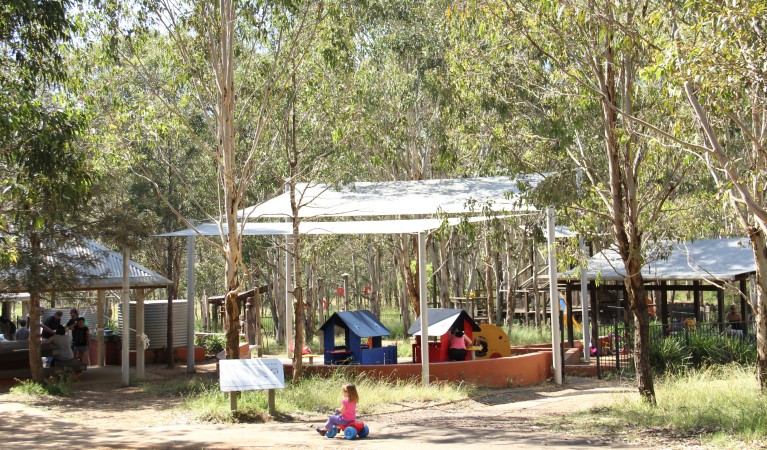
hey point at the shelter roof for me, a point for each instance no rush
(362, 323)
(395, 198)
(105, 270)
(345, 227)
(441, 320)
(707, 259)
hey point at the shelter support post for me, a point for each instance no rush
(422, 294)
(140, 344)
(569, 311)
(288, 294)
(594, 314)
(584, 302)
(100, 303)
(696, 300)
(743, 314)
(664, 304)
(190, 304)
(556, 340)
(125, 298)
(720, 308)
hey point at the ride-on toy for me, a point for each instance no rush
(350, 430)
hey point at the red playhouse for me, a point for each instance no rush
(442, 322)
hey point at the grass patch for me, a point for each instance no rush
(719, 404)
(314, 396)
(57, 387)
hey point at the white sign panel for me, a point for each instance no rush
(250, 374)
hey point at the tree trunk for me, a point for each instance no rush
(760, 309)
(232, 197)
(409, 276)
(444, 272)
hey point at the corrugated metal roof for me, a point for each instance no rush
(706, 259)
(105, 270)
(441, 320)
(362, 323)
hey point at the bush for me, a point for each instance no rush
(212, 343)
(669, 355)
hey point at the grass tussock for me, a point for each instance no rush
(56, 387)
(722, 404)
(317, 396)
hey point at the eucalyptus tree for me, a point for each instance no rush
(591, 58)
(715, 60)
(402, 96)
(46, 176)
(237, 61)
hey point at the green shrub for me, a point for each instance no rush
(212, 343)
(669, 355)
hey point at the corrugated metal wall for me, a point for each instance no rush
(155, 323)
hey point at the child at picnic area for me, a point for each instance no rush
(347, 413)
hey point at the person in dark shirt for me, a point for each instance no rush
(50, 324)
(72, 319)
(80, 339)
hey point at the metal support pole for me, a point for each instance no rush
(288, 294)
(422, 294)
(100, 300)
(125, 298)
(556, 339)
(585, 302)
(140, 357)
(190, 304)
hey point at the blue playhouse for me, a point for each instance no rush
(362, 339)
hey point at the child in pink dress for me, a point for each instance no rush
(347, 413)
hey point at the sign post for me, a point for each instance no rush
(237, 375)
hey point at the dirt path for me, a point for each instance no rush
(101, 414)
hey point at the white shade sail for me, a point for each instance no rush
(348, 227)
(396, 198)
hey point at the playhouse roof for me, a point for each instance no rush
(441, 321)
(362, 323)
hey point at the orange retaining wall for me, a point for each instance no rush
(522, 370)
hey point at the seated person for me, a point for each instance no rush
(734, 318)
(458, 344)
(62, 347)
(22, 333)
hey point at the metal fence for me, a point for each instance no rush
(614, 348)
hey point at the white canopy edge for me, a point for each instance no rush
(348, 227)
(402, 198)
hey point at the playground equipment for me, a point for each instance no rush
(563, 310)
(350, 430)
(494, 342)
(357, 326)
(441, 323)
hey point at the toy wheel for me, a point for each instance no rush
(331, 433)
(364, 431)
(350, 433)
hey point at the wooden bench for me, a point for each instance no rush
(311, 356)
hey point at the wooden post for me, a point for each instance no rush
(743, 311)
(664, 304)
(100, 348)
(272, 407)
(257, 324)
(696, 300)
(720, 307)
